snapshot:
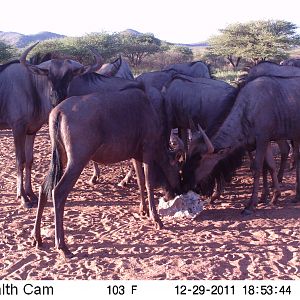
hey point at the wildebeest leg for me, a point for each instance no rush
(96, 174)
(138, 167)
(28, 165)
(36, 233)
(284, 154)
(297, 159)
(294, 155)
(219, 189)
(272, 168)
(59, 196)
(261, 148)
(19, 140)
(266, 191)
(184, 136)
(126, 179)
(149, 186)
(251, 159)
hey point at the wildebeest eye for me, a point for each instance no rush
(222, 150)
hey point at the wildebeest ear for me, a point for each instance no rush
(37, 70)
(80, 71)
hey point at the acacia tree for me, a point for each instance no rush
(254, 41)
(6, 51)
(137, 47)
(79, 48)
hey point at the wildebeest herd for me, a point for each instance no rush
(101, 113)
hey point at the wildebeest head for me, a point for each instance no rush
(198, 171)
(167, 176)
(60, 72)
(167, 168)
(206, 164)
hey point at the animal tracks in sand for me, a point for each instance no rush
(111, 240)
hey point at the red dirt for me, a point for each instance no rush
(111, 241)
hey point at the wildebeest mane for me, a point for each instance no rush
(134, 85)
(93, 77)
(39, 58)
(4, 66)
(37, 106)
(227, 105)
(225, 170)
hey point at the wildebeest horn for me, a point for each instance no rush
(209, 145)
(25, 53)
(116, 65)
(98, 61)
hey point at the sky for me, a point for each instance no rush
(184, 21)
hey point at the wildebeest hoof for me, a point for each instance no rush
(159, 225)
(37, 243)
(34, 200)
(247, 212)
(28, 204)
(144, 212)
(66, 253)
(264, 199)
(94, 180)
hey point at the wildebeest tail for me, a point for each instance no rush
(56, 167)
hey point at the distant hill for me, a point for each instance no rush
(194, 45)
(130, 32)
(21, 40)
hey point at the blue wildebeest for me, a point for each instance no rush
(203, 101)
(267, 68)
(266, 109)
(158, 79)
(207, 102)
(295, 62)
(117, 68)
(87, 127)
(193, 69)
(27, 94)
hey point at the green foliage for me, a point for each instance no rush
(230, 76)
(134, 47)
(185, 52)
(78, 48)
(255, 41)
(7, 52)
(137, 47)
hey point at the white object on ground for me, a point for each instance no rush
(185, 205)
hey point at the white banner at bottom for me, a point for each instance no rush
(135, 289)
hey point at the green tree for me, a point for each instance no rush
(7, 52)
(78, 48)
(185, 52)
(255, 41)
(137, 47)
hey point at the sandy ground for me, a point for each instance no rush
(111, 241)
